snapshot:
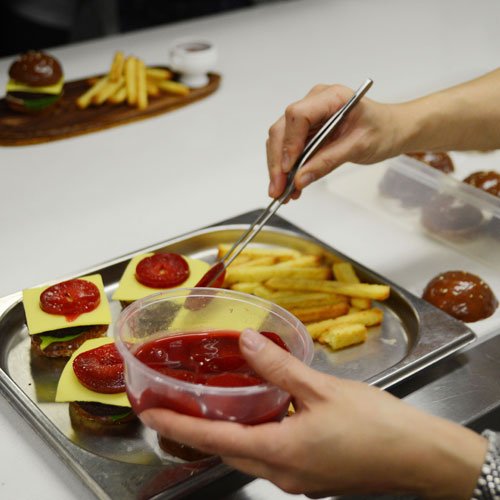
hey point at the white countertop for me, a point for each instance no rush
(71, 204)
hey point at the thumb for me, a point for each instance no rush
(278, 366)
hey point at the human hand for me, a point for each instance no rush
(370, 133)
(345, 437)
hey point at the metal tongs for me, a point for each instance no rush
(312, 146)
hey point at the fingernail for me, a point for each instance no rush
(306, 179)
(252, 340)
(271, 189)
(285, 161)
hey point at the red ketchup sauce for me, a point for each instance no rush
(206, 358)
(214, 277)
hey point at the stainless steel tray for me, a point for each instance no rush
(413, 336)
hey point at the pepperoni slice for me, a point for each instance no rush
(100, 369)
(70, 298)
(162, 270)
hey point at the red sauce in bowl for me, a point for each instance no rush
(208, 359)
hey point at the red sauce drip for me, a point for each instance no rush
(212, 278)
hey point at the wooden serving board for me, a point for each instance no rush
(65, 119)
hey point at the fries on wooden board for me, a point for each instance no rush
(329, 299)
(130, 80)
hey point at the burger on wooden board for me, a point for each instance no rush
(36, 82)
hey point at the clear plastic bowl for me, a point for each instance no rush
(206, 310)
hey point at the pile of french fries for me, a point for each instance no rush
(328, 298)
(130, 80)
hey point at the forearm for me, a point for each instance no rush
(448, 462)
(464, 117)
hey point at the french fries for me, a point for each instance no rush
(116, 71)
(142, 91)
(370, 317)
(329, 298)
(158, 73)
(345, 273)
(361, 290)
(265, 260)
(173, 87)
(317, 313)
(85, 99)
(129, 80)
(342, 336)
(264, 273)
(253, 252)
(108, 90)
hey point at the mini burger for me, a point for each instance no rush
(151, 272)
(36, 82)
(63, 316)
(93, 383)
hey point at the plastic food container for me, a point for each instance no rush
(421, 222)
(205, 310)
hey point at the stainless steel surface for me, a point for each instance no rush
(414, 335)
(464, 388)
(311, 148)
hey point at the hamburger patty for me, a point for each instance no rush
(99, 418)
(65, 348)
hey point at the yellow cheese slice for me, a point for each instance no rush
(214, 315)
(15, 86)
(39, 321)
(70, 389)
(129, 289)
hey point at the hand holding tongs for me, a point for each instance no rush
(312, 146)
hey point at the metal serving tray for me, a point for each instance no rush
(413, 336)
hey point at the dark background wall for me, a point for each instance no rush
(35, 24)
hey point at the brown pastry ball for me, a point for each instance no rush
(450, 217)
(439, 161)
(409, 192)
(412, 193)
(493, 227)
(37, 69)
(462, 295)
(488, 181)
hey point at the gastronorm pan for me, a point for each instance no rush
(413, 335)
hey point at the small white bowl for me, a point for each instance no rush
(193, 59)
